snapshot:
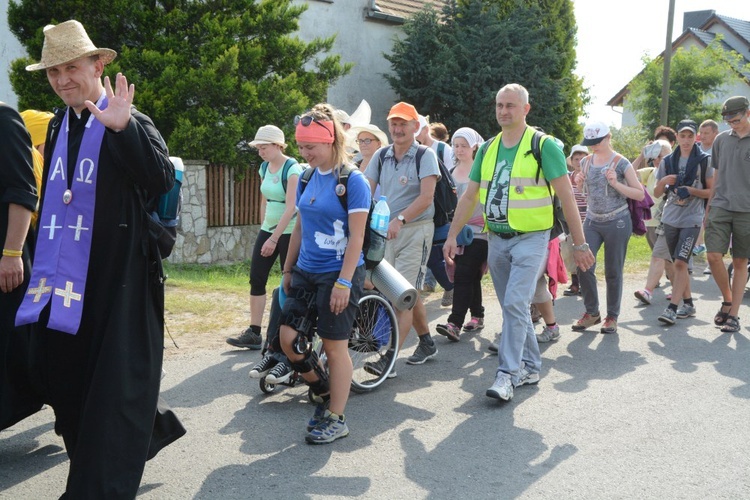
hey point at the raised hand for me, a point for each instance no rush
(117, 114)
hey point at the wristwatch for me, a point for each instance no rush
(402, 219)
(581, 248)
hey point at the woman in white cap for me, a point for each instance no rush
(608, 181)
(471, 264)
(279, 175)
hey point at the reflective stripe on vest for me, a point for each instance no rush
(530, 209)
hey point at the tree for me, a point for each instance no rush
(450, 66)
(628, 141)
(209, 73)
(697, 81)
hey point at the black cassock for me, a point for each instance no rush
(18, 400)
(103, 382)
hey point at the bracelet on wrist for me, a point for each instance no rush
(12, 253)
(343, 282)
(275, 242)
(340, 286)
(285, 272)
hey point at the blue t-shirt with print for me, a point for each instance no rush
(325, 224)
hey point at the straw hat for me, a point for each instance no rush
(269, 134)
(67, 42)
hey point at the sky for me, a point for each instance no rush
(613, 36)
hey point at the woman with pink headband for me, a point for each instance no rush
(325, 259)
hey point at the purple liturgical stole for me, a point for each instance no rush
(66, 225)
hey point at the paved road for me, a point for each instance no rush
(652, 412)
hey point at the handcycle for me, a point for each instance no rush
(374, 336)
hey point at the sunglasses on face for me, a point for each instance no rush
(366, 142)
(306, 120)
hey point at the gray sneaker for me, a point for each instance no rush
(685, 311)
(549, 334)
(328, 430)
(422, 353)
(377, 367)
(447, 299)
(247, 339)
(668, 317)
(502, 389)
(525, 377)
(279, 373)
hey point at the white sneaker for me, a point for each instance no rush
(549, 334)
(525, 377)
(502, 389)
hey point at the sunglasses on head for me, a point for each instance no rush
(306, 120)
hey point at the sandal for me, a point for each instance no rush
(721, 316)
(731, 325)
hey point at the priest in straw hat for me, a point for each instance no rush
(96, 294)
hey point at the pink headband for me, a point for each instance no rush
(316, 131)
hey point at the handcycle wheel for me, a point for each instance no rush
(373, 340)
(266, 387)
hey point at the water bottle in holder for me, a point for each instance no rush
(381, 215)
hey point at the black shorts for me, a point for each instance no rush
(681, 241)
(330, 326)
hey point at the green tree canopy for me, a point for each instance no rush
(209, 72)
(450, 66)
(697, 79)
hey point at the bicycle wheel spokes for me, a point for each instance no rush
(374, 334)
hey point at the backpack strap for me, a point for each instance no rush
(285, 171)
(304, 179)
(263, 170)
(381, 159)
(441, 150)
(418, 157)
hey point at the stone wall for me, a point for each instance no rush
(198, 243)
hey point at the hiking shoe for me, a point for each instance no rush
(247, 339)
(279, 373)
(609, 325)
(572, 291)
(422, 353)
(474, 325)
(644, 296)
(668, 317)
(427, 288)
(685, 311)
(586, 321)
(328, 430)
(318, 415)
(525, 377)
(549, 334)
(449, 330)
(707, 270)
(377, 367)
(447, 299)
(502, 389)
(263, 367)
(493, 347)
(699, 250)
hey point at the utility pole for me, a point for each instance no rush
(667, 63)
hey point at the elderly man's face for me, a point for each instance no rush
(77, 81)
(402, 131)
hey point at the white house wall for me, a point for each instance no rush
(10, 49)
(359, 40)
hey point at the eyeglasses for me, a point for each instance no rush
(306, 120)
(736, 121)
(366, 142)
